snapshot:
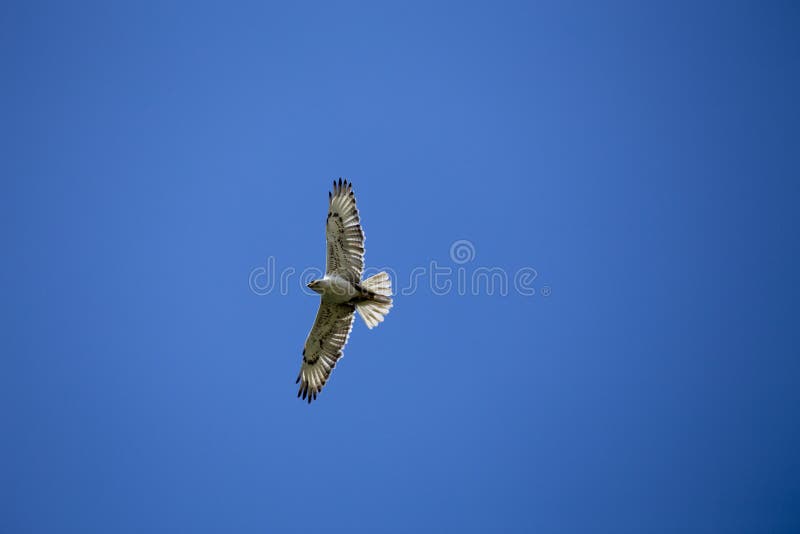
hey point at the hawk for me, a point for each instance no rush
(342, 292)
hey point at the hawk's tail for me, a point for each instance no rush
(379, 301)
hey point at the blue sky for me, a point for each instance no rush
(642, 158)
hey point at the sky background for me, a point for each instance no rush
(641, 157)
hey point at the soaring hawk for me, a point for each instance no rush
(342, 292)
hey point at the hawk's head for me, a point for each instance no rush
(315, 285)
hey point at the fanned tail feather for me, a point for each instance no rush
(375, 309)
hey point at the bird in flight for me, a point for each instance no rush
(342, 292)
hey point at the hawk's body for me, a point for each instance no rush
(342, 292)
(336, 289)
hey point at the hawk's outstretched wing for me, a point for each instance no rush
(324, 347)
(344, 234)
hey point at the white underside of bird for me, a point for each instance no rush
(336, 290)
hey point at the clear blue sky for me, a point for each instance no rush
(642, 158)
